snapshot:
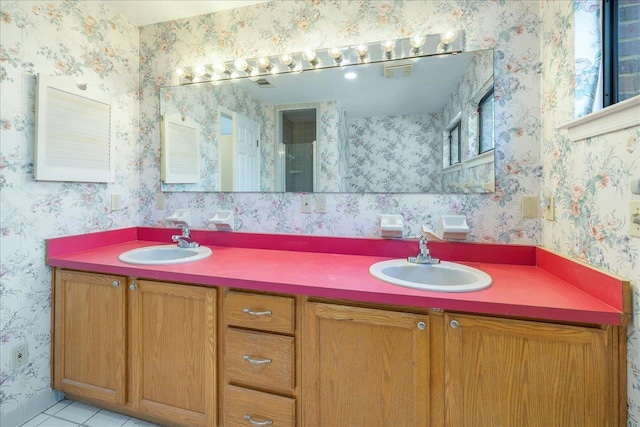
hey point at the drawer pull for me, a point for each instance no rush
(256, 361)
(257, 313)
(257, 423)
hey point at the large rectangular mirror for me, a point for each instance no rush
(402, 124)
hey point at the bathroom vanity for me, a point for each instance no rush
(293, 330)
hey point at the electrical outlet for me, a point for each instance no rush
(116, 202)
(321, 203)
(306, 203)
(529, 206)
(160, 202)
(19, 355)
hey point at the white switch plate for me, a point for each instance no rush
(306, 203)
(529, 206)
(160, 202)
(321, 203)
(634, 212)
(116, 202)
(549, 211)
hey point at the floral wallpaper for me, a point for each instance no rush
(589, 178)
(534, 79)
(396, 154)
(84, 40)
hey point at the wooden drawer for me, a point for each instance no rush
(263, 312)
(244, 405)
(260, 359)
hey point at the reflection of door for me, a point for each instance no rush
(298, 133)
(246, 155)
(299, 167)
(239, 152)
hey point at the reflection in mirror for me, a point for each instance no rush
(384, 131)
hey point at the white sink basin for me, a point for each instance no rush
(167, 254)
(442, 277)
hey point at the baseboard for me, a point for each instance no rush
(30, 409)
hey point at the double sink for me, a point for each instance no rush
(441, 277)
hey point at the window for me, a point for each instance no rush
(485, 123)
(620, 50)
(454, 143)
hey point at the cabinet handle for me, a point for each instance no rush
(133, 286)
(454, 324)
(115, 283)
(422, 326)
(256, 361)
(257, 313)
(257, 423)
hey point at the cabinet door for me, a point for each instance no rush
(90, 335)
(364, 366)
(173, 343)
(501, 372)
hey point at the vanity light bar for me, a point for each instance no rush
(449, 42)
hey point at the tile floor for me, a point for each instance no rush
(67, 413)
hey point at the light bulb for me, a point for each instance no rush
(363, 52)
(309, 55)
(264, 64)
(448, 37)
(199, 70)
(286, 59)
(220, 67)
(389, 45)
(388, 48)
(241, 64)
(336, 54)
(418, 41)
(179, 72)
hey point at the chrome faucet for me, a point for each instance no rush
(423, 257)
(184, 240)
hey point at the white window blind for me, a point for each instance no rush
(73, 132)
(180, 150)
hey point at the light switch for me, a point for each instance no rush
(529, 206)
(116, 202)
(160, 202)
(549, 211)
(634, 216)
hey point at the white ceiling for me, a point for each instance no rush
(145, 12)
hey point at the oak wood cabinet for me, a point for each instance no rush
(89, 335)
(150, 349)
(503, 372)
(145, 348)
(173, 349)
(364, 366)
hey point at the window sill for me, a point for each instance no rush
(613, 118)
(453, 168)
(480, 159)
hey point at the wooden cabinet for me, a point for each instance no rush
(364, 366)
(89, 335)
(260, 380)
(146, 348)
(150, 349)
(504, 372)
(173, 348)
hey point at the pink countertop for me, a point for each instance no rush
(527, 281)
